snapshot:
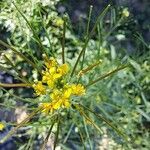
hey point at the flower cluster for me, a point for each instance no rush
(125, 12)
(2, 126)
(55, 85)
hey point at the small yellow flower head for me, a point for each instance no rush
(56, 94)
(50, 63)
(59, 22)
(2, 126)
(53, 72)
(39, 88)
(60, 98)
(60, 91)
(67, 92)
(78, 89)
(125, 12)
(63, 69)
(66, 103)
(46, 107)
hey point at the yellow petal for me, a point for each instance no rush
(67, 93)
(63, 69)
(78, 89)
(57, 105)
(66, 103)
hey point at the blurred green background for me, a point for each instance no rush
(123, 98)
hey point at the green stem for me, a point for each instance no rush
(87, 40)
(106, 75)
(32, 29)
(67, 136)
(81, 136)
(19, 54)
(113, 28)
(47, 137)
(47, 35)
(18, 126)
(87, 134)
(5, 85)
(57, 133)
(14, 67)
(87, 31)
(103, 119)
(63, 41)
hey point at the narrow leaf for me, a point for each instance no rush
(106, 75)
(47, 137)
(18, 126)
(88, 38)
(105, 120)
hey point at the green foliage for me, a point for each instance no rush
(117, 103)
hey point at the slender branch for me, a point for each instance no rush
(20, 54)
(106, 75)
(47, 137)
(87, 31)
(88, 38)
(63, 41)
(32, 29)
(90, 67)
(67, 136)
(18, 126)
(14, 67)
(105, 120)
(57, 133)
(87, 118)
(87, 133)
(14, 85)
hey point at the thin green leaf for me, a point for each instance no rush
(47, 35)
(63, 41)
(88, 119)
(8, 71)
(19, 54)
(47, 137)
(87, 134)
(68, 134)
(14, 67)
(105, 120)
(32, 28)
(30, 142)
(18, 126)
(113, 28)
(141, 39)
(106, 75)
(88, 38)
(18, 97)
(81, 137)
(87, 31)
(57, 133)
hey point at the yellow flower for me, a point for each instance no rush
(66, 103)
(60, 98)
(46, 107)
(57, 104)
(78, 89)
(63, 69)
(57, 76)
(59, 22)
(56, 94)
(39, 88)
(50, 63)
(125, 12)
(52, 77)
(67, 92)
(2, 126)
